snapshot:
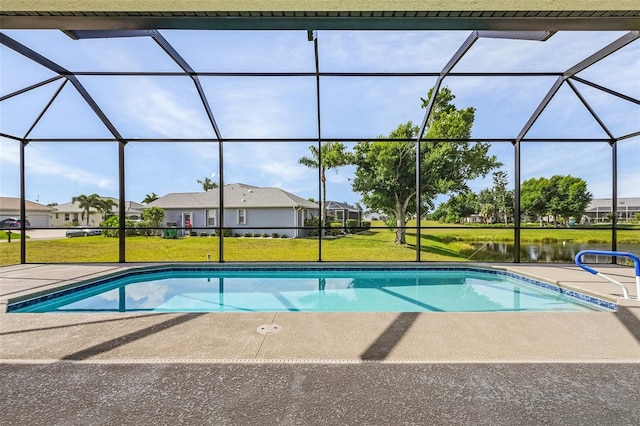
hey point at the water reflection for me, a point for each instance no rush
(563, 251)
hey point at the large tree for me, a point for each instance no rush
(559, 196)
(386, 170)
(570, 198)
(332, 155)
(534, 198)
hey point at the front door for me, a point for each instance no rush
(187, 222)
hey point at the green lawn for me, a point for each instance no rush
(445, 243)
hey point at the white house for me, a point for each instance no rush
(247, 209)
(599, 209)
(68, 214)
(37, 214)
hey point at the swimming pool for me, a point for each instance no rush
(313, 290)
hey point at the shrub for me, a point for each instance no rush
(352, 226)
(274, 235)
(246, 235)
(365, 225)
(264, 235)
(214, 233)
(256, 235)
(153, 216)
(335, 228)
(204, 234)
(283, 236)
(312, 225)
(114, 222)
(226, 232)
(235, 235)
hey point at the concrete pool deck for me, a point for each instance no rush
(400, 337)
(358, 362)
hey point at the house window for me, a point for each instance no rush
(242, 216)
(211, 217)
(56, 215)
(66, 217)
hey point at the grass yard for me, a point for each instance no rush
(444, 243)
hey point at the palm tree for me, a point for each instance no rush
(207, 184)
(150, 198)
(333, 156)
(86, 202)
(104, 206)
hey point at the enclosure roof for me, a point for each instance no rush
(322, 14)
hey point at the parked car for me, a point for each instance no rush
(13, 222)
(82, 231)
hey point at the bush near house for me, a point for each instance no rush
(335, 228)
(352, 226)
(111, 225)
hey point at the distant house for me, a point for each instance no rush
(341, 212)
(474, 218)
(600, 208)
(67, 214)
(37, 214)
(247, 209)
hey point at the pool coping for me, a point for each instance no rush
(594, 300)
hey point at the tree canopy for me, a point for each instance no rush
(386, 170)
(559, 196)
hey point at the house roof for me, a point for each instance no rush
(332, 205)
(237, 195)
(605, 203)
(13, 204)
(130, 206)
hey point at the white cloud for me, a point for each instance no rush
(388, 50)
(163, 110)
(43, 163)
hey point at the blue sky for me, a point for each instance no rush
(277, 107)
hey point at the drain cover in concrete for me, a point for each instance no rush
(269, 328)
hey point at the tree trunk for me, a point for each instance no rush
(400, 212)
(400, 231)
(323, 202)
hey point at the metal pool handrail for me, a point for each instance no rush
(635, 259)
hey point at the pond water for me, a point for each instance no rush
(552, 252)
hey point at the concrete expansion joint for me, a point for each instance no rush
(256, 361)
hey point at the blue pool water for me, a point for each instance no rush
(314, 290)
